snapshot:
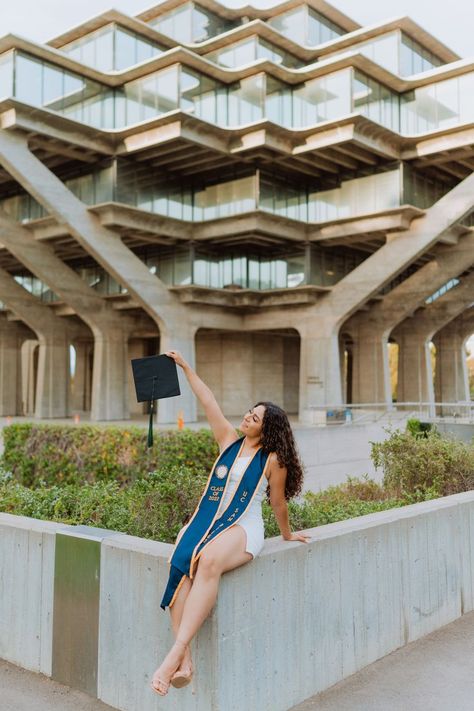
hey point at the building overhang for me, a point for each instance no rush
(249, 299)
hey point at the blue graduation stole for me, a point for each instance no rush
(203, 526)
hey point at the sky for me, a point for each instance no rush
(450, 21)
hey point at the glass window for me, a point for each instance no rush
(6, 75)
(322, 99)
(190, 23)
(305, 26)
(246, 101)
(112, 48)
(414, 58)
(375, 101)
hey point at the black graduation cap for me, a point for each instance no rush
(155, 377)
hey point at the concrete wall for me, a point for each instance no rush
(243, 368)
(291, 623)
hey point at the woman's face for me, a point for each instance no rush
(251, 424)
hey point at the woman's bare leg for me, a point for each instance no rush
(176, 612)
(225, 553)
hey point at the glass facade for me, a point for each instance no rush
(394, 51)
(112, 48)
(139, 186)
(250, 50)
(190, 23)
(305, 26)
(435, 106)
(439, 105)
(414, 58)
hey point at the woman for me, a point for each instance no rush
(264, 460)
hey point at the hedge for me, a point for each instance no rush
(105, 477)
(68, 454)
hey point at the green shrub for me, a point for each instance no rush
(427, 466)
(417, 428)
(78, 454)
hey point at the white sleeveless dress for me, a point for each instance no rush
(252, 520)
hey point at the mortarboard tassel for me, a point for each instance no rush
(150, 421)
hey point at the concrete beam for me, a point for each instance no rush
(176, 331)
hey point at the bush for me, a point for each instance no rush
(85, 454)
(427, 466)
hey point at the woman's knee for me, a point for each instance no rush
(209, 564)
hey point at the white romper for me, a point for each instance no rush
(252, 520)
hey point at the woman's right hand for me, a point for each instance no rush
(177, 357)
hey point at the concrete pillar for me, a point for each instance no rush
(82, 376)
(371, 329)
(415, 374)
(413, 335)
(452, 378)
(53, 377)
(12, 334)
(53, 385)
(371, 367)
(29, 354)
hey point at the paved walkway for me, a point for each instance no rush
(435, 673)
(21, 690)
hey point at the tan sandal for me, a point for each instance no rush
(180, 679)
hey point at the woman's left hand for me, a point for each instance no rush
(298, 537)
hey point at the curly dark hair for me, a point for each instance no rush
(277, 436)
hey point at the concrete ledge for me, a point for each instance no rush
(290, 624)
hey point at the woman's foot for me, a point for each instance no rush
(161, 678)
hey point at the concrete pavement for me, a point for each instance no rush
(22, 690)
(432, 674)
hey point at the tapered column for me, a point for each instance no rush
(12, 334)
(53, 382)
(370, 330)
(82, 376)
(53, 387)
(110, 375)
(371, 383)
(452, 379)
(415, 372)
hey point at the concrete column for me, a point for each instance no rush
(28, 377)
(452, 379)
(12, 334)
(82, 376)
(415, 374)
(371, 367)
(53, 386)
(53, 377)
(370, 330)
(414, 334)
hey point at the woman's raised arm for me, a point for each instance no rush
(223, 430)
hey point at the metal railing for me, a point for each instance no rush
(361, 413)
